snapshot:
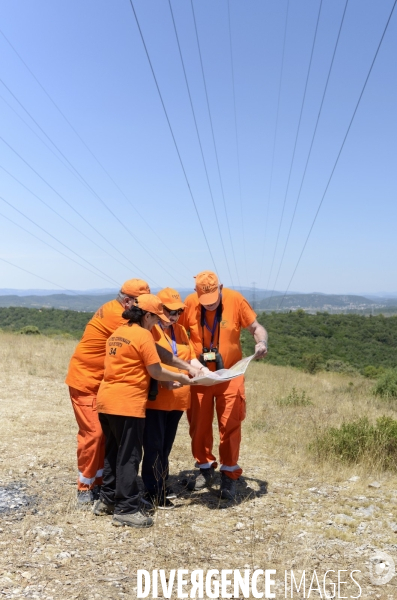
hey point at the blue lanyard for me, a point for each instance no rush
(172, 341)
(212, 330)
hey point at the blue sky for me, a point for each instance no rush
(90, 59)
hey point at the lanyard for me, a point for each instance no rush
(172, 341)
(217, 322)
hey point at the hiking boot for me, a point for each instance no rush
(84, 498)
(136, 519)
(204, 480)
(228, 488)
(101, 508)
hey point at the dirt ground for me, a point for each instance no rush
(292, 512)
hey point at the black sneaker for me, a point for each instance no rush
(150, 502)
(170, 493)
(204, 480)
(228, 488)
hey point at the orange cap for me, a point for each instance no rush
(171, 298)
(135, 287)
(207, 287)
(152, 304)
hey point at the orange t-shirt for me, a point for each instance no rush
(125, 385)
(87, 363)
(173, 399)
(236, 315)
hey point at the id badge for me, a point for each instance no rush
(209, 356)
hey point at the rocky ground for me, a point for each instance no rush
(291, 513)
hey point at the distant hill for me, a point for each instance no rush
(326, 303)
(261, 300)
(63, 301)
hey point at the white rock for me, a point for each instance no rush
(239, 525)
(354, 478)
(374, 484)
(26, 575)
(63, 555)
(343, 517)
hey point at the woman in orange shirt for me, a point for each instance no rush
(131, 360)
(164, 413)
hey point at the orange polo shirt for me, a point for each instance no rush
(87, 363)
(173, 399)
(236, 315)
(124, 389)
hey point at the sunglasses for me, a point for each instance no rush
(174, 313)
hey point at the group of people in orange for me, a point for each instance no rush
(130, 380)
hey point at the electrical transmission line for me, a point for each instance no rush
(108, 278)
(275, 138)
(199, 140)
(85, 182)
(236, 133)
(73, 226)
(340, 150)
(293, 153)
(172, 134)
(35, 275)
(311, 144)
(92, 153)
(214, 142)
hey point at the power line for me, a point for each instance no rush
(172, 134)
(340, 151)
(83, 180)
(35, 275)
(312, 142)
(57, 240)
(236, 132)
(293, 153)
(69, 223)
(199, 140)
(92, 153)
(215, 146)
(274, 138)
(66, 202)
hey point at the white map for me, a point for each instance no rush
(225, 374)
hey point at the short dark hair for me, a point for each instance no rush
(134, 314)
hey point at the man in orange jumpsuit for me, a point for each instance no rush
(84, 376)
(214, 317)
(85, 373)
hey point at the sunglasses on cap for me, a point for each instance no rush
(173, 313)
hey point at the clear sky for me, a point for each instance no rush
(123, 201)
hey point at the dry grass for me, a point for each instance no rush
(312, 516)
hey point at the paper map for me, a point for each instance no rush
(225, 374)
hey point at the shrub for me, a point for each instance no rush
(386, 386)
(294, 398)
(311, 363)
(339, 366)
(30, 330)
(360, 441)
(372, 372)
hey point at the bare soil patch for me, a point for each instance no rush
(292, 512)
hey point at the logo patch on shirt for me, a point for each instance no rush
(224, 324)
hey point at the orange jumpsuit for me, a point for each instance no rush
(85, 373)
(228, 397)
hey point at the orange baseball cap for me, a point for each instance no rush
(135, 287)
(207, 287)
(152, 304)
(171, 298)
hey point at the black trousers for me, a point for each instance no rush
(123, 453)
(159, 435)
